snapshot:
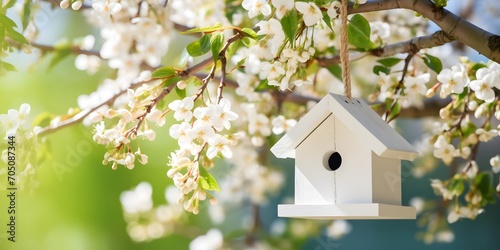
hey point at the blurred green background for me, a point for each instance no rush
(80, 209)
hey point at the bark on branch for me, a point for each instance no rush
(415, 44)
(482, 41)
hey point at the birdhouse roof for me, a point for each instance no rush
(356, 115)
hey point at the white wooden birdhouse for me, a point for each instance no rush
(347, 163)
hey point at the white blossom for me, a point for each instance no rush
(334, 10)
(310, 12)
(218, 144)
(338, 228)
(213, 240)
(14, 119)
(137, 200)
(282, 6)
(280, 124)
(445, 150)
(182, 109)
(483, 85)
(453, 80)
(495, 164)
(256, 7)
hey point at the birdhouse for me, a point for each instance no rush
(347, 163)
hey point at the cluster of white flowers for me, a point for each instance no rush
(21, 138)
(118, 137)
(200, 131)
(145, 221)
(248, 177)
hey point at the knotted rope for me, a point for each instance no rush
(344, 50)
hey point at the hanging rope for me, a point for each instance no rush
(344, 50)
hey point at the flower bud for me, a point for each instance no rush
(430, 93)
(444, 113)
(472, 105)
(64, 4)
(76, 5)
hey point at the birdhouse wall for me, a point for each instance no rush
(386, 180)
(351, 183)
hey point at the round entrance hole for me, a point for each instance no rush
(332, 161)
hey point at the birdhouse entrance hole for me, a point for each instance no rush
(332, 161)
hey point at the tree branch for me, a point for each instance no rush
(84, 113)
(415, 44)
(482, 41)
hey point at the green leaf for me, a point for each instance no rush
(43, 119)
(358, 33)
(58, 56)
(16, 36)
(207, 181)
(217, 43)
(170, 81)
(389, 62)
(248, 41)
(27, 7)
(250, 33)
(327, 20)
(183, 58)
(336, 71)
(181, 93)
(199, 47)
(290, 24)
(164, 72)
(193, 80)
(7, 66)
(209, 29)
(396, 109)
(264, 85)
(377, 69)
(433, 63)
(241, 62)
(9, 4)
(457, 185)
(485, 186)
(6, 22)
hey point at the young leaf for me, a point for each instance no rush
(248, 41)
(7, 66)
(377, 69)
(27, 7)
(217, 43)
(6, 22)
(207, 181)
(163, 72)
(199, 47)
(16, 36)
(183, 58)
(58, 55)
(358, 33)
(327, 20)
(289, 23)
(43, 119)
(433, 63)
(485, 186)
(336, 71)
(181, 93)
(169, 81)
(264, 85)
(250, 33)
(209, 29)
(389, 62)
(396, 109)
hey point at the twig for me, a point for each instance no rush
(84, 113)
(436, 39)
(482, 41)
